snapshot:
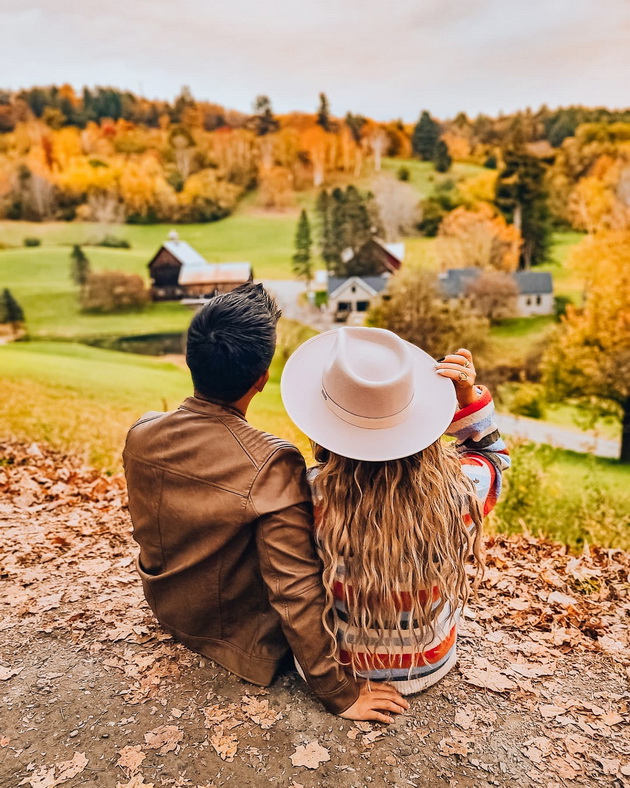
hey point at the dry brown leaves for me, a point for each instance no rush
(69, 564)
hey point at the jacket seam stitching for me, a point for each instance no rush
(185, 475)
(159, 528)
(255, 479)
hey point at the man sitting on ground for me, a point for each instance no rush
(222, 514)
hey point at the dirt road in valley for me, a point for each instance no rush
(95, 694)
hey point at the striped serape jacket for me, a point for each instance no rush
(484, 457)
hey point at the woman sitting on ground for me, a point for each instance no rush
(398, 510)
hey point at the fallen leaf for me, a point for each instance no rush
(177, 713)
(224, 745)
(137, 781)
(164, 739)
(489, 678)
(548, 710)
(4, 740)
(259, 712)
(454, 745)
(465, 718)
(310, 755)
(8, 673)
(609, 765)
(69, 769)
(131, 758)
(564, 600)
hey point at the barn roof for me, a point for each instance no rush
(203, 273)
(183, 251)
(375, 283)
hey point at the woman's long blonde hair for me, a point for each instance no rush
(397, 526)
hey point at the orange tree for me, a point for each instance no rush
(589, 355)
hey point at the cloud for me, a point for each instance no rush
(386, 60)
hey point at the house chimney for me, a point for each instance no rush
(173, 235)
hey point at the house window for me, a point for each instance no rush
(538, 300)
(354, 288)
(528, 301)
(344, 306)
(363, 306)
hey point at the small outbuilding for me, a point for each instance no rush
(535, 289)
(179, 271)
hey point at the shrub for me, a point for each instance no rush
(560, 304)
(32, 241)
(113, 242)
(403, 174)
(538, 500)
(524, 399)
(113, 291)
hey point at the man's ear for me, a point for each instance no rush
(260, 384)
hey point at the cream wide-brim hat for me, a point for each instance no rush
(366, 394)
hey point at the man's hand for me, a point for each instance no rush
(372, 702)
(459, 367)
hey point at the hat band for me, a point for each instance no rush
(369, 422)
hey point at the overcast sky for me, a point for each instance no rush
(383, 59)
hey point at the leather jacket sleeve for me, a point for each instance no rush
(292, 571)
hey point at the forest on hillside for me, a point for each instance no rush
(111, 156)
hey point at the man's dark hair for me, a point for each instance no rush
(231, 342)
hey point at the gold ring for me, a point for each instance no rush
(463, 376)
(466, 363)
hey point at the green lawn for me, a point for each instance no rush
(424, 178)
(83, 399)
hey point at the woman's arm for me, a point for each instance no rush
(483, 453)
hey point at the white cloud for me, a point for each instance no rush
(386, 60)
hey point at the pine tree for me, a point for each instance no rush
(327, 247)
(263, 120)
(522, 198)
(10, 311)
(323, 113)
(442, 157)
(80, 265)
(425, 136)
(302, 262)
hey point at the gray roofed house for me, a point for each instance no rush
(353, 295)
(535, 289)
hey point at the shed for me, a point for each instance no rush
(354, 294)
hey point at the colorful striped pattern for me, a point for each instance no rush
(484, 458)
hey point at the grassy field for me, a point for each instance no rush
(83, 399)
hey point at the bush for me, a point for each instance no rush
(112, 242)
(538, 500)
(524, 399)
(32, 242)
(560, 304)
(403, 174)
(113, 291)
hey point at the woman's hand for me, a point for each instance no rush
(460, 369)
(373, 702)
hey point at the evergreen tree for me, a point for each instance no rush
(263, 121)
(355, 123)
(327, 246)
(10, 311)
(346, 221)
(323, 113)
(80, 265)
(302, 262)
(522, 198)
(442, 157)
(425, 136)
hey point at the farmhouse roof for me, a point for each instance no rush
(534, 282)
(390, 255)
(454, 282)
(203, 273)
(375, 284)
(181, 251)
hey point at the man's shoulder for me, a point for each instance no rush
(260, 445)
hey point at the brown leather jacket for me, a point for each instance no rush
(222, 515)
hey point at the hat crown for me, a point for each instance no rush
(369, 375)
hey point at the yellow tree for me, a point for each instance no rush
(589, 356)
(478, 238)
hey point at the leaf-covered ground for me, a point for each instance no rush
(94, 694)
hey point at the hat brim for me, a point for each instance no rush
(430, 414)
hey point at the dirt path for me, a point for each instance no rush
(94, 694)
